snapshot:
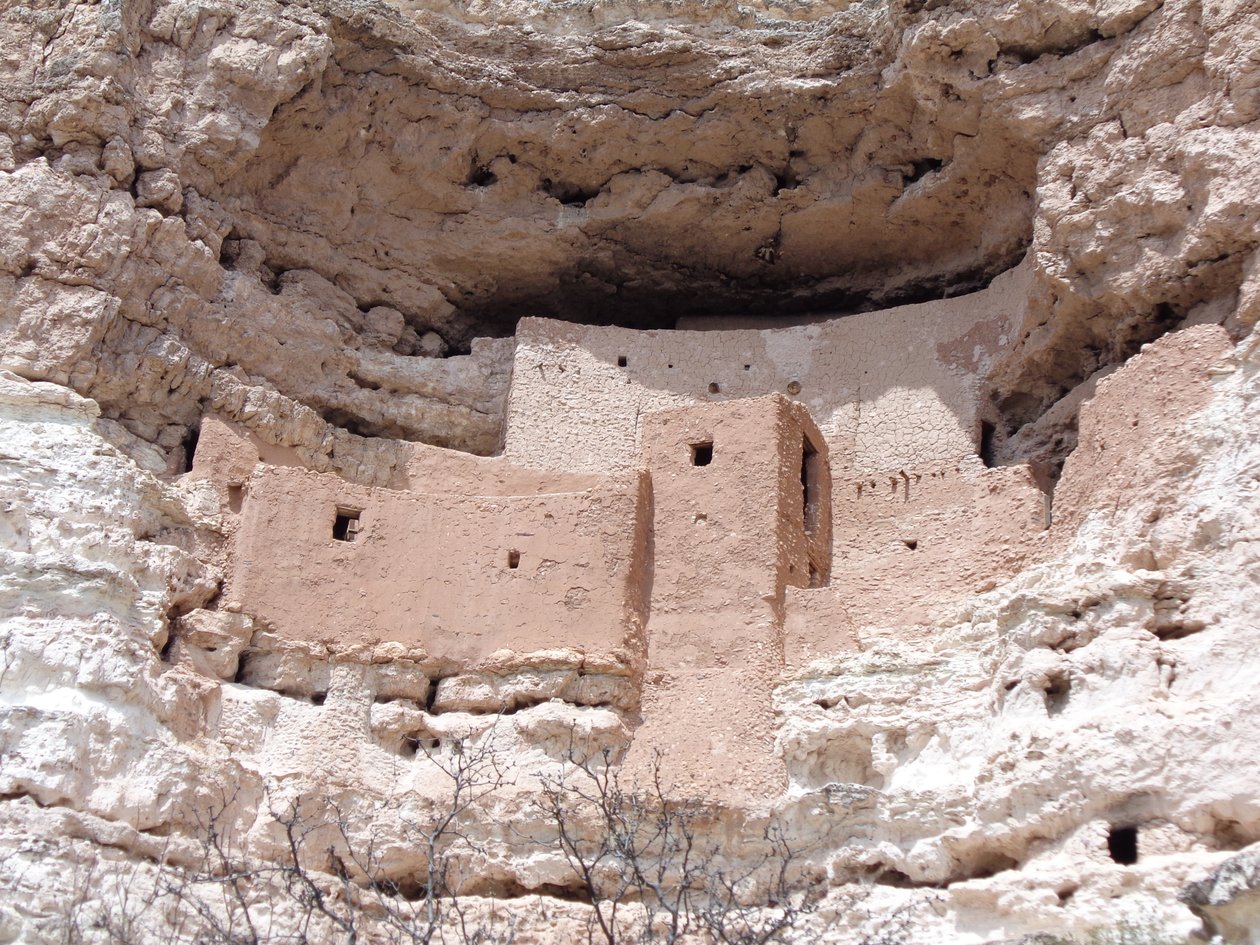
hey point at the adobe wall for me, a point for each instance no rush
(887, 389)
(730, 536)
(457, 576)
(918, 520)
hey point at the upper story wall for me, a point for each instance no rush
(888, 389)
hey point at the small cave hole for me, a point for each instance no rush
(701, 454)
(911, 543)
(191, 439)
(988, 433)
(715, 388)
(990, 864)
(414, 744)
(481, 176)
(894, 877)
(430, 697)
(319, 698)
(921, 169)
(409, 889)
(346, 524)
(514, 559)
(1065, 893)
(1057, 694)
(621, 360)
(1122, 845)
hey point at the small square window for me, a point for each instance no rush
(346, 524)
(701, 454)
(621, 361)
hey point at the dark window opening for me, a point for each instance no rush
(190, 446)
(701, 454)
(514, 559)
(346, 524)
(1122, 845)
(621, 361)
(714, 388)
(811, 480)
(747, 367)
(987, 434)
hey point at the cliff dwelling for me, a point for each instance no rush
(521, 472)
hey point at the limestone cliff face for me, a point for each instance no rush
(321, 221)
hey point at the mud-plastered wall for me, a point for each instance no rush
(888, 388)
(459, 576)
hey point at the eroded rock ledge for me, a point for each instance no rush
(215, 205)
(1017, 708)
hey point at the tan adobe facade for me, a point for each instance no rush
(741, 542)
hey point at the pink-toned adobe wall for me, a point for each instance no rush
(730, 538)
(887, 389)
(432, 570)
(919, 522)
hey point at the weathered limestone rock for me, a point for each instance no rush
(250, 249)
(1227, 900)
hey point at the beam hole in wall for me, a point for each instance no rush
(747, 367)
(346, 523)
(715, 388)
(794, 387)
(911, 543)
(1122, 845)
(621, 360)
(514, 559)
(701, 453)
